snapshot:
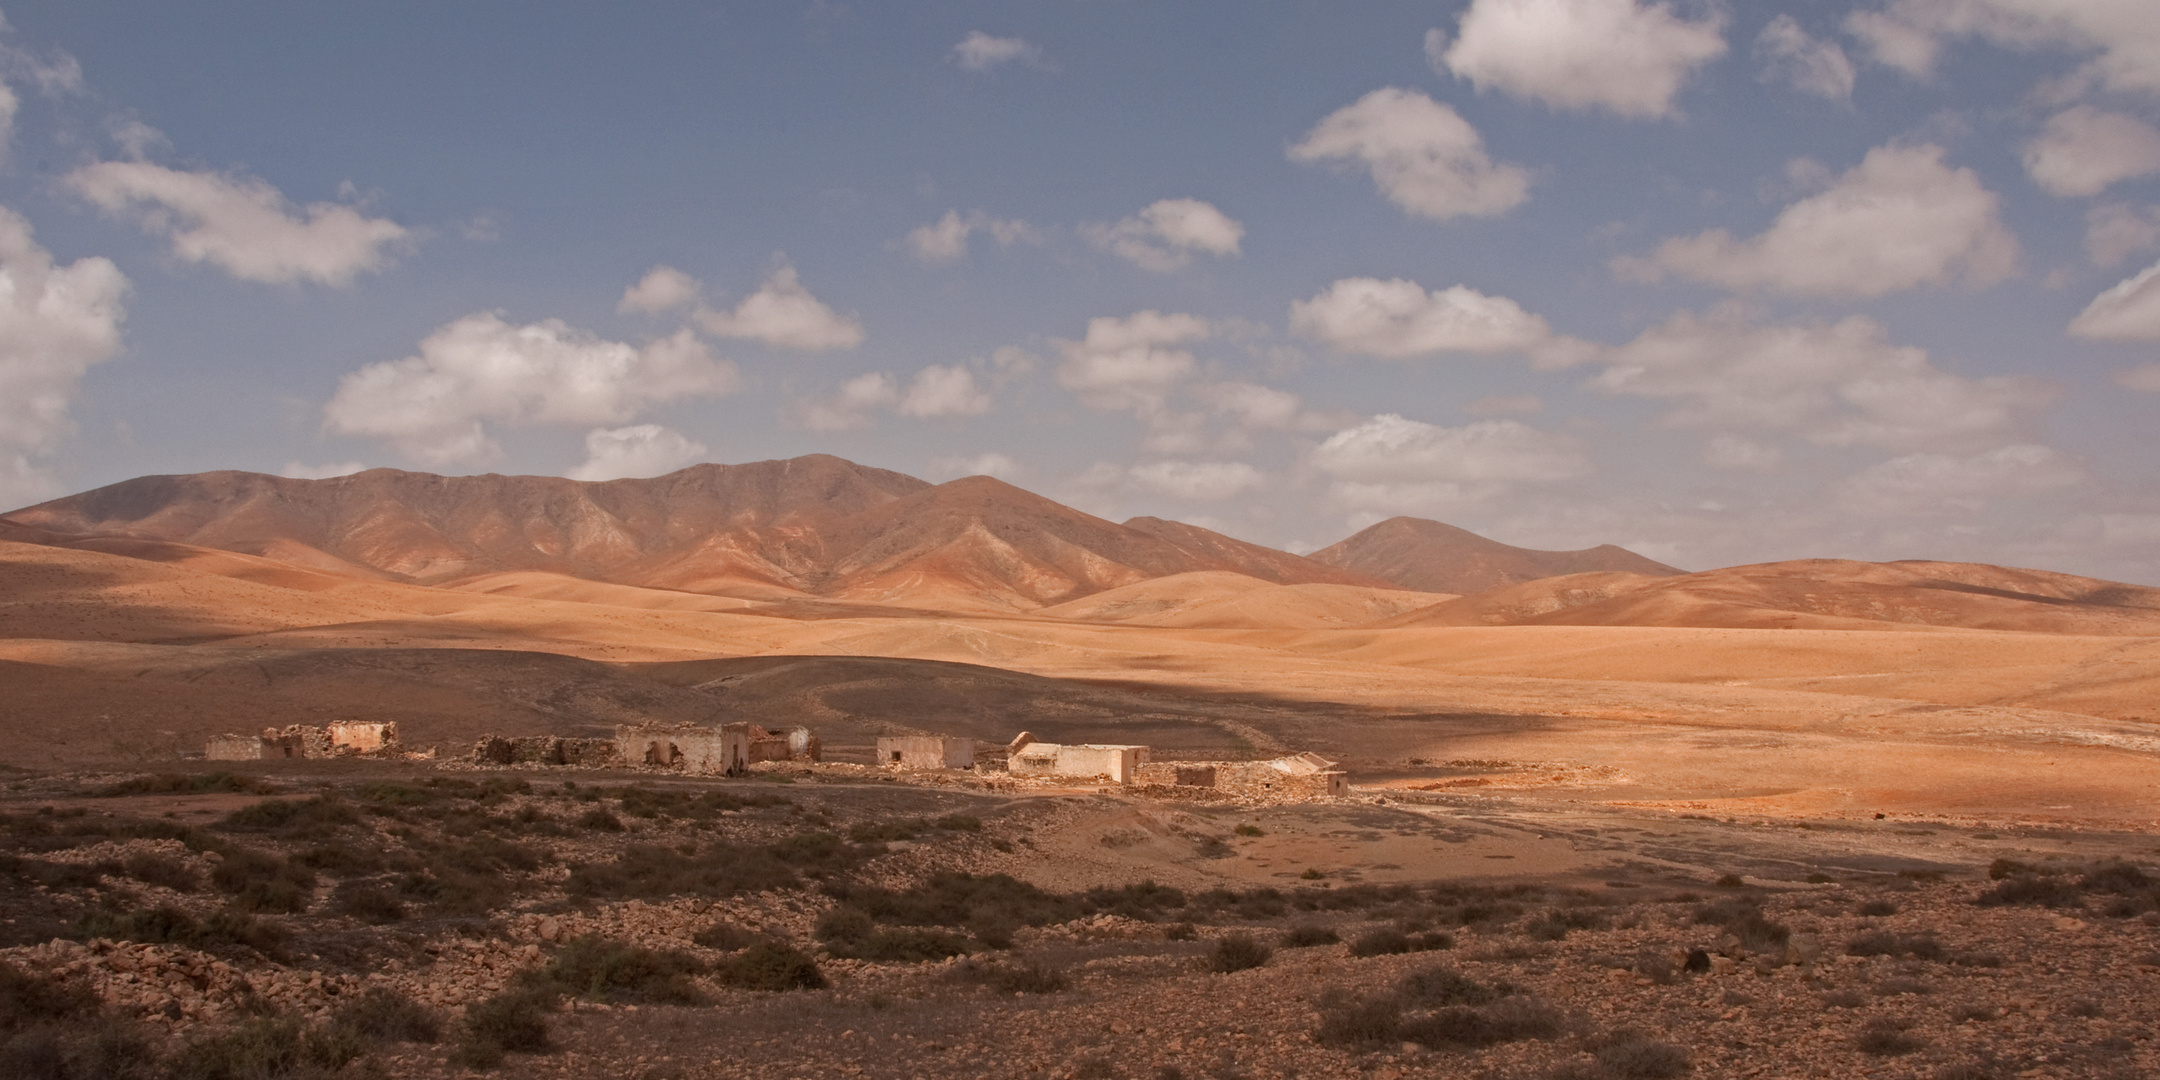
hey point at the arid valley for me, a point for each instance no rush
(1603, 818)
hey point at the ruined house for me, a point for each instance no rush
(926, 752)
(1028, 757)
(234, 748)
(363, 736)
(547, 750)
(1293, 778)
(691, 748)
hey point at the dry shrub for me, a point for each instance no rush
(1239, 952)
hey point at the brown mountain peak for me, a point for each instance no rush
(1415, 553)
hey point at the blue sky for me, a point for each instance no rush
(1719, 282)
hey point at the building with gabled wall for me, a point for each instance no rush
(1026, 756)
(925, 752)
(1295, 778)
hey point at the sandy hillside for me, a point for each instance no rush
(1221, 600)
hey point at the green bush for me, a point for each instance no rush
(265, 1048)
(316, 817)
(384, 1016)
(1436, 1008)
(1307, 935)
(188, 784)
(259, 881)
(515, 1021)
(1029, 978)
(168, 925)
(599, 969)
(771, 965)
(1389, 940)
(1238, 952)
(151, 868)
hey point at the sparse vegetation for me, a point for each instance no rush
(1239, 952)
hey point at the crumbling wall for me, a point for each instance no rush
(234, 748)
(296, 741)
(1296, 778)
(926, 752)
(1120, 764)
(363, 736)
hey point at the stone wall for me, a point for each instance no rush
(1118, 763)
(364, 736)
(1292, 779)
(234, 748)
(926, 752)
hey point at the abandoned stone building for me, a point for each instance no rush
(726, 750)
(1296, 777)
(926, 752)
(306, 741)
(1026, 756)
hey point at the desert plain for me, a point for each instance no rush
(1606, 818)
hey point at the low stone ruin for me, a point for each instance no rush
(339, 739)
(1027, 756)
(725, 750)
(1296, 777)
(926, 752)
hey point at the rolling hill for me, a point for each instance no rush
(1413, 553)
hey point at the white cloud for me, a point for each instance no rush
(663, 288)
(946, 239)
(1790, 55)
(2130, 311)
(637, 450)
(55, 322)
(9, 103)
(1909, 34)
(1165, 235)
(241, 224)
(2116, 231)
(1735, 454)
(2144, 377)
(981, 52)
(1398, 318)
(1397, 465)
(1133, 362)
(1423, 156)
(300, 470)
(939, 391)
(1836, 384)
(936, 391)
(1898, 220)
(1620, 55)
(1254, 406)
(434, 406)
(1932, 483)
(2083, 150)
(852, 405)
(990, 463)
(1505, 405)
(782, 313)
(1197, 481)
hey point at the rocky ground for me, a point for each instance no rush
(400, 921)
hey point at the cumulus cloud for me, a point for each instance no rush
(1165, 235)
(937, 391)
(1835, 384)
(1423, 156)
(2144, 377)
(1792, 56)
(990, 463)
(55, 322)
(1394, 464)
(2116, 231)
(946, 239)
(981, 52)
(1196, 481)
(1898, 220)
(663, 288)
(1505, 405)
(1733, 453)
(2130, 311)
(1620, 55)
(434, 406)
(1909, 34)
(637, 450)
(9, 103)
(1398, 318)
(2083, 150)
(241, 224)
(300, 470)
(1933, 483)
(1133, 362)
(783, 314)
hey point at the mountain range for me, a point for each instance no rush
(818, 536)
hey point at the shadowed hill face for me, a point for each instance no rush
(1819, 594)
(813, 525)
(1252, 560)
(1412, 553)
